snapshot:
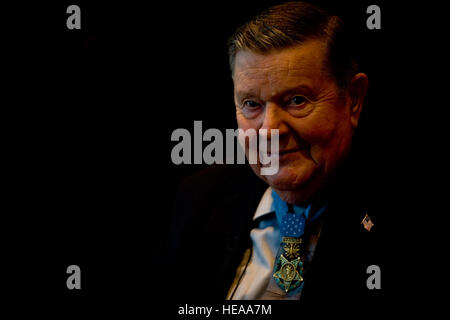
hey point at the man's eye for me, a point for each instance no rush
(251, 104)
(298, 100)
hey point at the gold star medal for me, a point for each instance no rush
(289, 267)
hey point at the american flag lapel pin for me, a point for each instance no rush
(367, 223)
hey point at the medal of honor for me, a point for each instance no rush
(288, 266)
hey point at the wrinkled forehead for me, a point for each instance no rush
(303, 62)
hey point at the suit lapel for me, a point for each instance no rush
(334, 259)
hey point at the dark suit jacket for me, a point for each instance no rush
(211, 227)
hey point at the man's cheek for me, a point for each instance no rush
(317, 133)
(321, 140)
(321, 127)
(327, 151)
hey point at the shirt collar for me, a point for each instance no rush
(265, 205)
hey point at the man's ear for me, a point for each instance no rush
(357, 92)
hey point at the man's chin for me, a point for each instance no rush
(287, 180)
(293, 186)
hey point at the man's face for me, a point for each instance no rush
(290, 90)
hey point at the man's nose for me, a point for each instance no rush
(274, 119)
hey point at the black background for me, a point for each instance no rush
(88, 121)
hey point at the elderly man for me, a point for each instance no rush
(296, 234)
